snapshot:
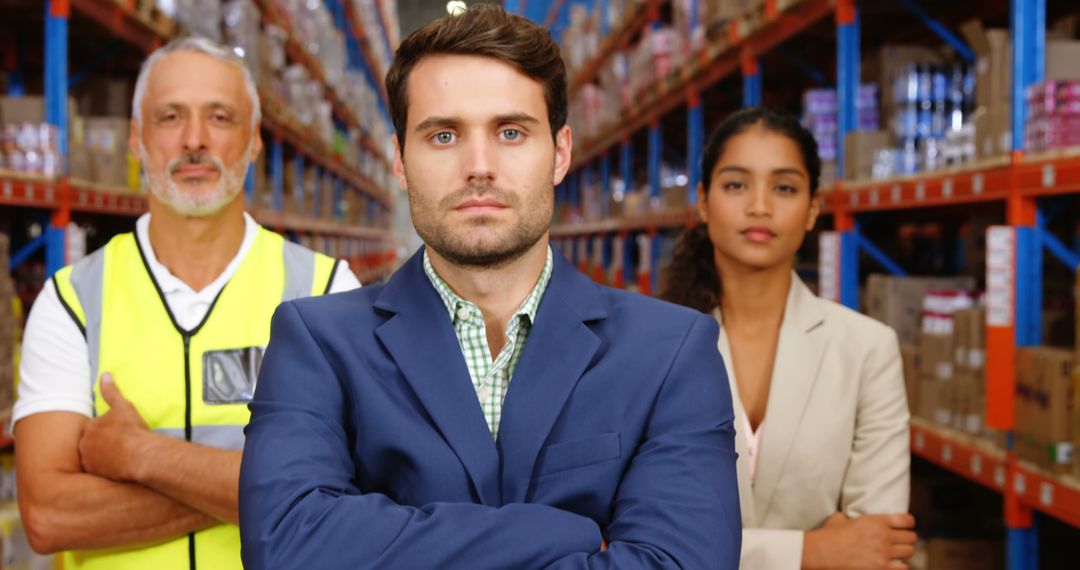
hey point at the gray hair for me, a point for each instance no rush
(204, 46)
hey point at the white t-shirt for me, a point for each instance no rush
(55, 368)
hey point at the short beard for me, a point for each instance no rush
(165, 189)
(520, 240)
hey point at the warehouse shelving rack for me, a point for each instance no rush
(1018, 182)
(370, 250)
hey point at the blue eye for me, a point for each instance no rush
(444, 138)
(511, 134)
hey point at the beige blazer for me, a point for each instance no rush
(835, 431)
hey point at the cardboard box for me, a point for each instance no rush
(937, 353)
(107, 144)
(993, 62)
(897, 301)
(105, 96)
(1045, 407)
(1062, 59)
(860, 148)
(909, 356)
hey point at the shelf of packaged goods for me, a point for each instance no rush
(48, 192)
(146, 30)
(1050, 173)
(632, 24)
(377, 72)
(149, 31)
(670, 219)
(983, 182)
(985, 463)
(296, 52)
(711, 63)
(280, 122)
(283, 221)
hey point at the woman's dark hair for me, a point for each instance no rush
(691, 279)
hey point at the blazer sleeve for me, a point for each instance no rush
(678, 503)
(300, 506)
(771, 549)
(878, 478)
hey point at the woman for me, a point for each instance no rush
(820, 409)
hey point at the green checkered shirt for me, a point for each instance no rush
(490, 377)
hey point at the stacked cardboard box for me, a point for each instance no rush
(937, 354)
(909, 356)
(993, 88)
(1053, 117)
(1045, 394)
(898, 301)
(969, 370)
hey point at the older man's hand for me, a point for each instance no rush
(111, 444)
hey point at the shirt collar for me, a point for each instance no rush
(453, 302)
(169, 283)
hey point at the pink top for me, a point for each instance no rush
(753, 444)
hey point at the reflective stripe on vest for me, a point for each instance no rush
(159, 366)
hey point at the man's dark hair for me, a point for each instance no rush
(485, 30)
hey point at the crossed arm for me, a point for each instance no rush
(110, 482)
(676, 507)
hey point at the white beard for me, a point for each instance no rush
(203, 204)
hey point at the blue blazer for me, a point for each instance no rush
(367, 446)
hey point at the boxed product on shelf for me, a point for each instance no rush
(1062, 59)
(1053, 115)
(105, 96)
(898, 301)
(861, 149)
(993, 65)
(1045, 427)
(909, 357)
(107, 145)
(820, 116)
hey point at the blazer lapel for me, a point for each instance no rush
(742, 466)
(798, 358)
(558, 350)
(420, 338)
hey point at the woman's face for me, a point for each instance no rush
(758, 206)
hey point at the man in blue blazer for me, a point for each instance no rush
(489, 407)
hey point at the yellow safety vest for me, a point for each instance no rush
(193, 384)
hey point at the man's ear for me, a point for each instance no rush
(564, 151)
(399, 166)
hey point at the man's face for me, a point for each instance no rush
(196, 137)
(479, 162)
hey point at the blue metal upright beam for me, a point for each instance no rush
(277, 173)
(249, 184)
(847, 87)
(298, 186)
(695, 145)
(605, 185)
(1029, 47)
(626, 164)
(655, 154)
(56, 114)
(752, 88)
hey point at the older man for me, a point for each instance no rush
(139, 360)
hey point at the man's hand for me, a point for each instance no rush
(870, 542)
(110, 444)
